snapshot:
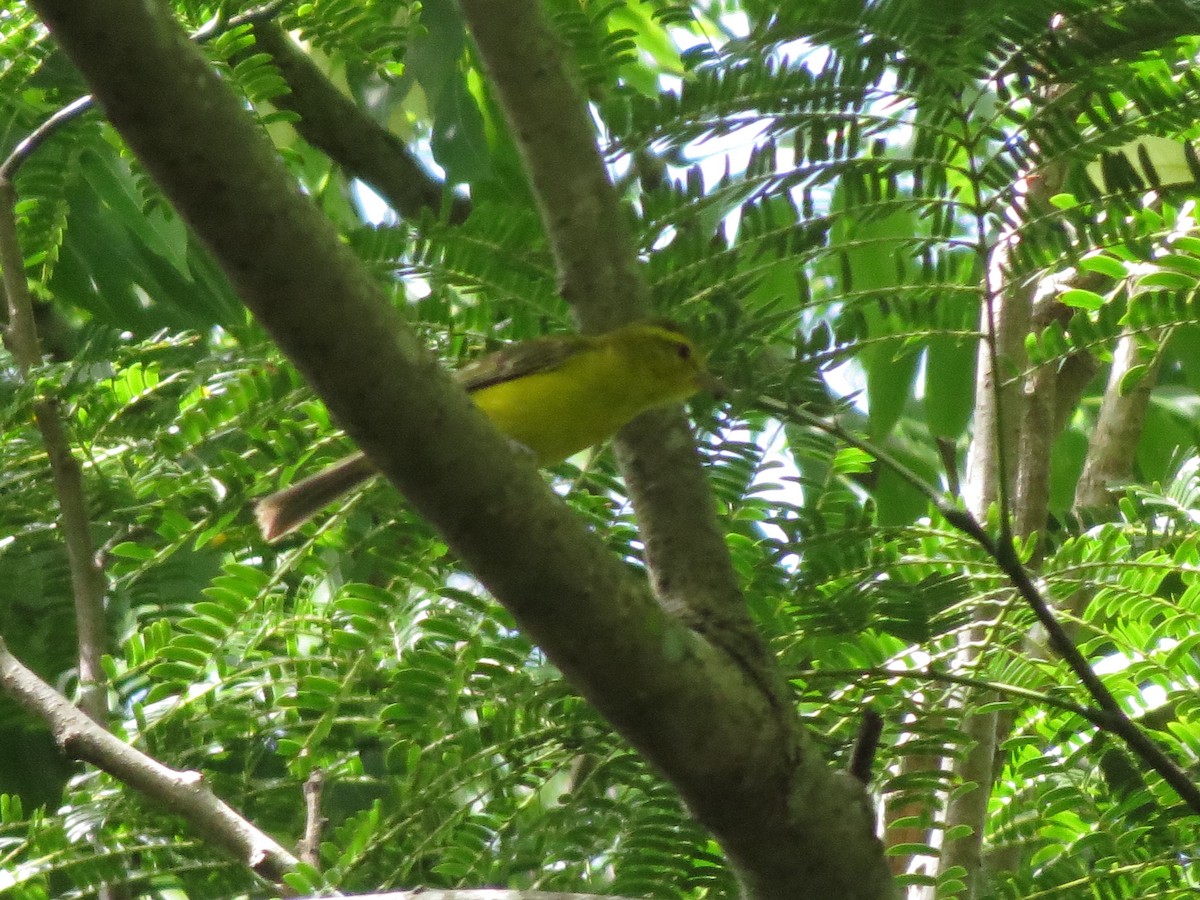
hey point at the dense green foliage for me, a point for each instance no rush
(818, 189)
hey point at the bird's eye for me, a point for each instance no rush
(684, 351)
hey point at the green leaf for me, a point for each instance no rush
(889, 383)
(1169, 280)
(1105, 265)
(1133, 376)
(1081, 299)
(949, 386)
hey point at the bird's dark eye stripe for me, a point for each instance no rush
(683, 350)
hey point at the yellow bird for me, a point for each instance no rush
(554, 396)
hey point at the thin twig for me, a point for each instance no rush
(1005, 554)
(314, 822)
(219, 23)
(1097, 717)
(80, 105)
(27, 147)
(87, 580)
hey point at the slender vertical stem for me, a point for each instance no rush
(87, 580)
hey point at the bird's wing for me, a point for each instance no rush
(543, 354)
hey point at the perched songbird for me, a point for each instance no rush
(552, 395)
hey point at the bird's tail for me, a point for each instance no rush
(284, 511)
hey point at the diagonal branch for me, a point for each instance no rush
(81, 105)
(1110, 716)
(183, 793)
(332, 123)
(791, 826)
(599, 276)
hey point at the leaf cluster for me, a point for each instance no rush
(827, 194)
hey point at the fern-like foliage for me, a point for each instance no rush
(829, 195)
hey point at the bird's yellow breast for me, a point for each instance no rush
(581, 402)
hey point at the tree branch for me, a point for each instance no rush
(1037, 430)
(1110, 716)
(548, 115)
(87, 580)
(183, 793)
(81, 105)
(314, 822)
(31, 142)
(1113, 442)
(599, 277)
(549, 120)
(793, 829)
(332, 123)
(866, 743)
